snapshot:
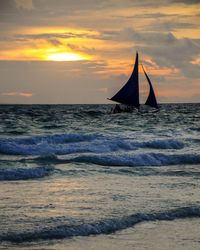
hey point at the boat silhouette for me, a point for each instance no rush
(128, 95)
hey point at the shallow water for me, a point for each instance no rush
(77, 177)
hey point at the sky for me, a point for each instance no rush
(83, 51)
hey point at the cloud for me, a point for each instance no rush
(147, 15)
(60, 35)
(14, 5)
(108, 30)
(23, 94)
(7, 5)
(165, 48)
(24, 4)
(54, 82)
(55, 42)
(83, 49)
(186, 1)
(104, 90)
(173, 24)
(78, 82)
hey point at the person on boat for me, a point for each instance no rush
(123, 108)
(117, 109)
(128, 109)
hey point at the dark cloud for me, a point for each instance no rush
(64, 35)
(84, 49)
(165, 49)
(69, 6)
(173, 25)
(186, 1)
(11, 6)
(7, 5)
(164, 22)
(176, 53)
(7, 11)
(54, 42)
(62, 12)
(147, 15)
(14, 13)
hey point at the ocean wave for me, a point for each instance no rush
(91, 113)
(80, 143)
(147, 159)
(54, 139)
(37, 145)
(24, 173)
(100, 227)
(195, 128)
(165, 144)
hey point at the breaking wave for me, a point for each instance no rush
(37, 145)
(148, 159)
(57, 138)
(79, 143)
(24, 173)
(100, 227)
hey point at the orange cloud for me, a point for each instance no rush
(24, 94)
(43, 54)
(104, 90)
(196, 61)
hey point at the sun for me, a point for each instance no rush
(65, 57)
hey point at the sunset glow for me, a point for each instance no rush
(65, 57)
(24, 94)
(101, 40)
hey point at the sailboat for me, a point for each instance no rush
(128, 95)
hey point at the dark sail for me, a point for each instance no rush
(151, 100)
(129, 93)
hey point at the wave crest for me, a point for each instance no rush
(79, 143)
(24, 173)
(101, 227)
(148, 159)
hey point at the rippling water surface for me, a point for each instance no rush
(79, 177)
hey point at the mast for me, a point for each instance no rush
(151, 100)
(129, 93)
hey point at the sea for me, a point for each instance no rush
(79, 177)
